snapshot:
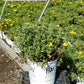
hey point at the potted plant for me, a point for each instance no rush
(42, 44)
(39, 45)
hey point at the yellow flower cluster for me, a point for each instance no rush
(7, 19)
(8, 22)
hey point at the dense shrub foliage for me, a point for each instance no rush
(65, 17)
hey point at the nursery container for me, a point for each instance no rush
(39, 75)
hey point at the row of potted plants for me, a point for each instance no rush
(61, 13)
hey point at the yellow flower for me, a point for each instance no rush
(6, 19)
(59, 0)
(11, 25)
(76, 2)
(76, 51)
(15, 17)
(65, 44)
(31, 12)
(81, 2)
(57, 25)
(68, 66)
(34, 9)
(80, 52)
(6, 22)
(8, 4)
(14, 37)
(13, 21)
(63, 6)
(82, 35)
(12, 6)
(15, 10)
(28, 15)
(72, 32)
(27, 23)
(55, 15)
(5, 25)
(70, 2)
(52, 11)
(62, 32)
(50, 44)
(8, 13)
(80, 68)
(9, 19)
(19, 5)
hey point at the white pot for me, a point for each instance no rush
(80, 81)
(39, 75)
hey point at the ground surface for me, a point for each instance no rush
(9, 70)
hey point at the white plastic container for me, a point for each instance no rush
(80, 81)
(45, 75)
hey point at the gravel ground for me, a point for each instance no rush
(9, 70)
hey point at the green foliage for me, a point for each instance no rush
(62, 22)
(38, 41)
(58, 12)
